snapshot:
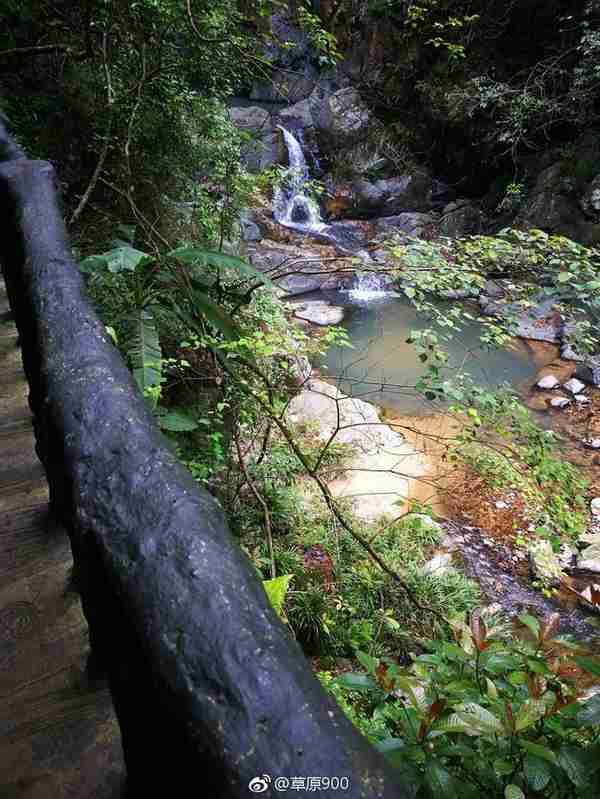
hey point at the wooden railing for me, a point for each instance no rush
(210, 690)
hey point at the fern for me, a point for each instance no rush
(144, 351)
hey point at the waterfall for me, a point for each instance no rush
(292, 206)
(369, 286)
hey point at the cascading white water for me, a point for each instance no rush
(292, 206)
(368, 286)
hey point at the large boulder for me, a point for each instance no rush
(265, 146)
(300, 269)
(551, 208)
(540, 322)
(460, 218)
(319, 312)
(368, 199)
(410, 223)
(294, 74)
(341, 119)
(375, 483)
(590, 200)
(297, 115)
(589, 370)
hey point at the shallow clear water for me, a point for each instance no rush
(382, 367)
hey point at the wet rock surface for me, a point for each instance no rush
(492, 564)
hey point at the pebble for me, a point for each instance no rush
(581, 399)
(560, 402)
(592, 443)
(574, 386)
(595, 506)
(501, 505)
(548, 382)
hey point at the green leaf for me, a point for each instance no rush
(177, 422)
(212, 312)
(513, 792)
(589, 664)
(479, 719)
(144, 351)
(93, 263)
(530, 711)
(503, 767)
(531, 623)
(537, 772)
(575, 763)
(119, 259)
(276, 589)
(113, 334)
(356, 682)
(366, 661)
(192, 255)
(539, 751)
(563, 277)
(589, 715)
(438, 779)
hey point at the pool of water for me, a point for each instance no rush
(383, 368)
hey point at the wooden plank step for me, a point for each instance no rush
(19, 479)
(15, 425)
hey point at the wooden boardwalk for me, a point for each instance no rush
(59, 738)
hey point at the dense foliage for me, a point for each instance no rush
(130, 100)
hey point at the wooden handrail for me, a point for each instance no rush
(209, 687)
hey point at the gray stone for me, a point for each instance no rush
(590, 201)
(299, 113)
(566, 556)
(541, 322)
(249, 230)
(341, 119)
(549, 208)
(460, 218)
(548, 382)
(589, 559)
(294, 74)
(298, 270)
(560, 402)
(589, 371)
(366, 199)
(574, 386)
(266, 147)
(320, 312)
(412, 223)
(592, 443)
(595, 506)
(581, 399)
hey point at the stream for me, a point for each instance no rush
(383, 368)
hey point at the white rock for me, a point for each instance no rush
(589, 565)
(501, 505)
(544, 563)
(320, 312)
(384, 466)
(548, 382)
(591, 443)
(574, 386)
(439, 564)
(595, 506)
(581, 399)
(565, 556)
(560, 402)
